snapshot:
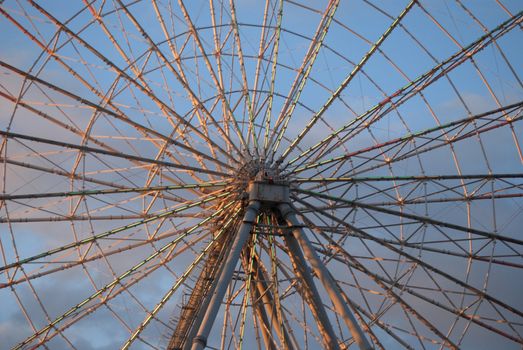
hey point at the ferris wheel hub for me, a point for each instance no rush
(264, 183)
(269, 192)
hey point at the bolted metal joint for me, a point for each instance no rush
(251, 212)
(200, 340)
(285, 210)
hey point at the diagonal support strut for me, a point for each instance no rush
(324, 276)
(275, 197)
(200, 341)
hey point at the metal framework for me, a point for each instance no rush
(278, 174)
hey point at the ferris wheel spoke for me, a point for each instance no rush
(263, 46)
(492, 195)
(277, 174)
(167, 249)
(482, 77)
(134, 82)
(106, 234)
(218, 81)
(447, 194)
(429, 268)
(485, 30)
(73, 218)
(365, 120)
(151, 315)
(407, 190)
(103, 254)
(180, 76)
(251, 134)
(93, 89)
(61, 172)
(71, 128)
(357, 68)
(398, 149)
(384, 282)
(324, 182)
(67, 175)
(91, 150)
(109, 112)
(93, 192)
(104, 97)
(274, 60)
(301, 78)
(418, 218)
(388, 285)
(425, 246)
(105, 202)
(104, 301)
(422, 178)
(360, 309)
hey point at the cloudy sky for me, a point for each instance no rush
(130, 130)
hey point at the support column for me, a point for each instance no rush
(265, 325)
(201, 312)
(324, 276)
(200, 341)
(311, 293)
(258, 308)
(267, 302)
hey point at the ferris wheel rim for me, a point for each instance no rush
(346, 181)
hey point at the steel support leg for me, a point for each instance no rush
(311, 293)
(201, 313)
(200, 341)
(267, 301)
(258, 308)
(265, 324)
(325, 277)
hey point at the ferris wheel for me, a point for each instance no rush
(279, 174)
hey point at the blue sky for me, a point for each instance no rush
(412, 49)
